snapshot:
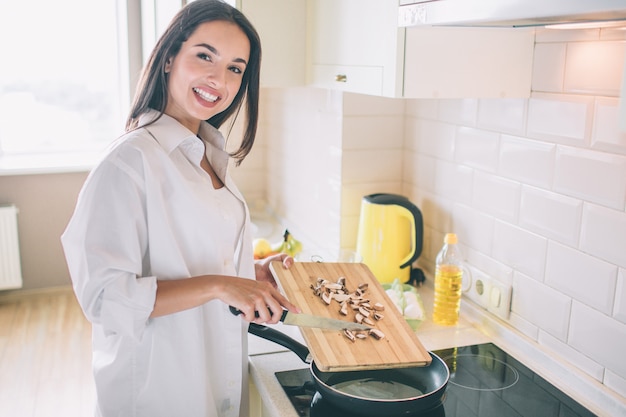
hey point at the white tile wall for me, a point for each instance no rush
(527, 160)
(535, 188)
(477, 148)
(542, 305)
(603, 233)
(550, 214)
(497, 196)
(523, 250)
(606, 135)
(582, 277)
(607, 185)
(584, 75)
(503, 115)
(619, 312)
(559, 118)
(598, 337)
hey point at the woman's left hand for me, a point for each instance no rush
(262, 267)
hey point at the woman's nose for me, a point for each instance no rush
(217, 77)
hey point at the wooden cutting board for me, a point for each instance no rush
(331, 349)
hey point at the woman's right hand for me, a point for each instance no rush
(258, 301)
(247, 295)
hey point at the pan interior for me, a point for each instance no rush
(387, 384)
(379, 389)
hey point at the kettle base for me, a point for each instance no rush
(417, 277)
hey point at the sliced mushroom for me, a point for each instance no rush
(358, 317)
(344, 309)
(327, 297)
(377, 334)
(368, 321)
(334, 287)
(341, 297)
(379, 307)
(348, 333)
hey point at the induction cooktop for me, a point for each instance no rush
(484, 381)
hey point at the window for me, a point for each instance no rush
(60, 84)
(68, 67)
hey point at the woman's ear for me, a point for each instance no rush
(168, 65)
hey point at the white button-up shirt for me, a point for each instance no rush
(148, 211)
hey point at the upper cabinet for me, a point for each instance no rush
(281, 24)
(453, 62)
(357, 46)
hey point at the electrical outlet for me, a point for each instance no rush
(500, 299)
(491, 294)
(478, 292)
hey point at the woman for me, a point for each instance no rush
(159, 245)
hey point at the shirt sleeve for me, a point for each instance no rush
(105, 245)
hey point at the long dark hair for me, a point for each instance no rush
(152, 87)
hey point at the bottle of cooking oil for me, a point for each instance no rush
(448, 282)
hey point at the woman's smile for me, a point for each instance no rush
(205, 95)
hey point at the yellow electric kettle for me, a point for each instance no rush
(390, 236)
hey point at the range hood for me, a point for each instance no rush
(509, 13)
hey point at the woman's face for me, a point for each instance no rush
(205, 76)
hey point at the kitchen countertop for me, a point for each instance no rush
(474, 327)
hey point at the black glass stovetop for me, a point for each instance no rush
(484, 381)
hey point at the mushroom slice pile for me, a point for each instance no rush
(353, 303)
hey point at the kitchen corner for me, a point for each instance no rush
(476, 326)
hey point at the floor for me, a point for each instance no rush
(45, 355)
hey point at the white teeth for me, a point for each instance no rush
(205, 95)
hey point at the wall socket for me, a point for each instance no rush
(490, 294)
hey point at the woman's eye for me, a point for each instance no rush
(205, 57)
(236, 70)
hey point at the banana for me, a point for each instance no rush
(295, 246)
(280, 246)
(289, 245)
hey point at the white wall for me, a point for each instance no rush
(535, 188)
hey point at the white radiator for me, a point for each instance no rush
(10, 268)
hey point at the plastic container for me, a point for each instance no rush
(448, 282)
(408, 302)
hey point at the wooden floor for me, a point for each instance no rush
(45, 356)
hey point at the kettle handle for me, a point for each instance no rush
(415, 218)
(416, 221)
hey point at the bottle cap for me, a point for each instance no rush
(450, 239)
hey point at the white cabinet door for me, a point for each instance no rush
(452, 62)
(281, 25)
(355, 45)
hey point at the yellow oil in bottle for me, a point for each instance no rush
(448, 286)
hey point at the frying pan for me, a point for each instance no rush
(379, 392)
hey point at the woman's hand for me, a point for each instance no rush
(262, 267)
(247, 295)
(254, 298)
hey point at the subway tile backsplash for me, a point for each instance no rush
(535, 188)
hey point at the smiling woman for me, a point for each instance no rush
(60, 91)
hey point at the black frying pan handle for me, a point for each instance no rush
(282, 339)
(237, 312)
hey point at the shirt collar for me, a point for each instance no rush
(170, 133)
